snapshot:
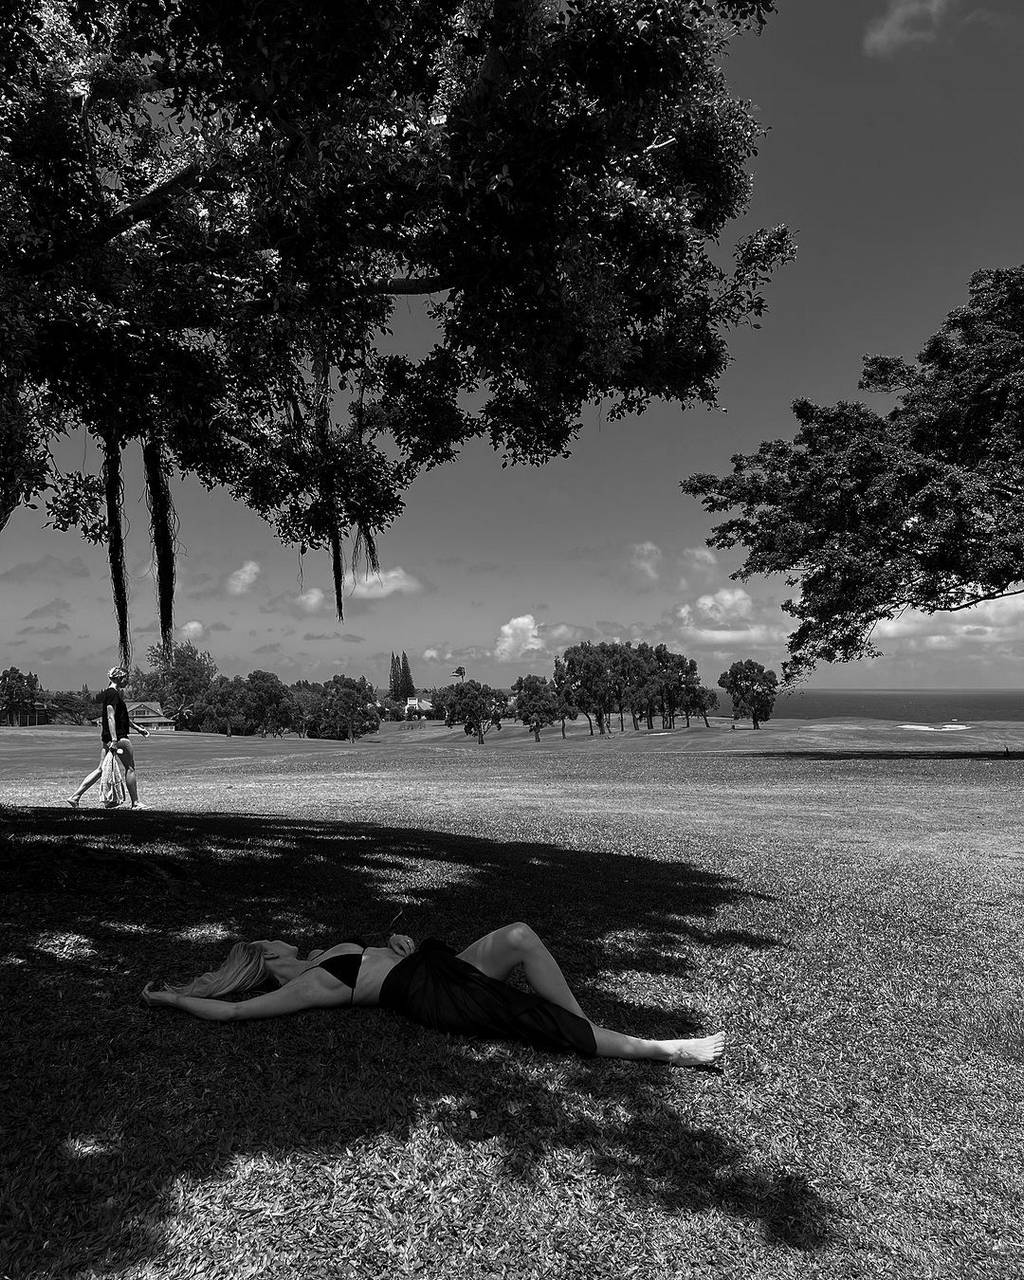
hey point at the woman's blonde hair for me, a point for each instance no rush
(244, 968)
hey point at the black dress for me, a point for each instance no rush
(438, 990)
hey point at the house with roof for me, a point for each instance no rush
(150, 716)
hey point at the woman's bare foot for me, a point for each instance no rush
(73, 801)
(703, 1052)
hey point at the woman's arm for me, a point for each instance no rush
(211, 1010)
(309, 991)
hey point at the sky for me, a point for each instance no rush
(895, 156)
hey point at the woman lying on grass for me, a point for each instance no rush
(431, 985)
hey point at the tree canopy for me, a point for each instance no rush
(210, 211)
(751, 687)
(871, 514)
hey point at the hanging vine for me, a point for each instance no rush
(163, 525)
(113, 491)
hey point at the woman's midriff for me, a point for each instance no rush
(377, 963)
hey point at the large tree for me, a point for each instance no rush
(871, 514)
(752, 689)
(180, 675)
(209, 212)
(536, 703)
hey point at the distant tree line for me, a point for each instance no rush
(602, 682)
(186, 685)
(608, 681)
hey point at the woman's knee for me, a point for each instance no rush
(521, 936)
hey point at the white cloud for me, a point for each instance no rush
(193, 630)
(645, 558)
(310, 600)
(241, 580)
(431, 655)
(517, 638)
(728, 604)
(905, 22)
(700, 557)
(758, 636)
(382, 584)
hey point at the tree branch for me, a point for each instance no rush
(121, 220)
(995, 595)
(407, 285)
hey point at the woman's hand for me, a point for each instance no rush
(401, 945)
(152, 997)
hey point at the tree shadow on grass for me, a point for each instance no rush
(117, 1102)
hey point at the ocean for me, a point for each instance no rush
(919, 706)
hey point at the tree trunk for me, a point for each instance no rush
(704, 715)
(622, 727)
(757, 723)
(563, 726)
(480, 733)
(590, 722)
(536, 731)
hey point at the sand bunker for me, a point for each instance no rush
(934, 728)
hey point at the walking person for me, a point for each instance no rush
(431, 985)
(116, 726)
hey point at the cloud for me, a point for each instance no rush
(218, 626)
(193, 630)
(380, 585)
(431, 655)
(45, 570)
(347, 638)
(52, 609)
(517, 638)
(58, 651)
(57, 629)
(564, 634)
(905, 22)
(644, 559)
(147, 628)
(239, 582)
(700, 558)
(728, 604)
(268, 648)
(310, 600)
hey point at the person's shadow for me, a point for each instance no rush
(115, 1102)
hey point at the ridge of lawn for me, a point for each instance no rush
(852, 924)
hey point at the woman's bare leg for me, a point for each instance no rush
(498, 953)
(698, 1052)
(84, 785)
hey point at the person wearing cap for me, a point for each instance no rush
(116, 727)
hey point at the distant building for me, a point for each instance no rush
(418, 707)
(35, 713)
(149, 716)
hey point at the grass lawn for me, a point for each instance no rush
(851, 919)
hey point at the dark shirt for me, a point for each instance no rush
(112, 698)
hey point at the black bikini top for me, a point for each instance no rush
(345, 967)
